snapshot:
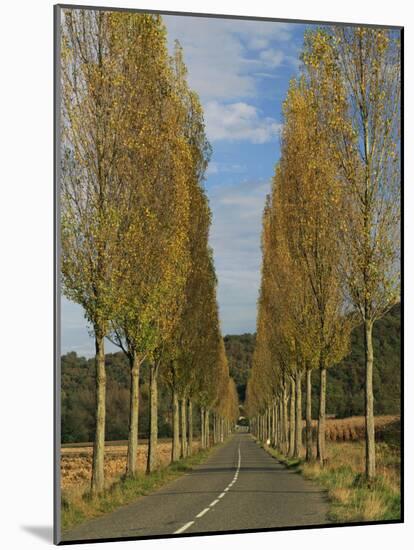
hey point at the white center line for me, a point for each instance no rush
(201, 514)
(183, 528)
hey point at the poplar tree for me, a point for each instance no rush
(312, 208)
(154, 167)
(356, 72)
(184, 346)
(92, 193)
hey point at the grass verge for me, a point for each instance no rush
(351, 498)
(77, 509)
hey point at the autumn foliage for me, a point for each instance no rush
(135, 223)
(331, 231)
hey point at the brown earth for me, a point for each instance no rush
(353, 428)
(76, 462)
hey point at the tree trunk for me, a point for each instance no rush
(321, 452)
(369, 403)
(280, 424)
(202, 427)
(131, 466)
(298, 416)
(309, 447)
(207, 427)
(175, 451)
(215, 428)
(269, 425)
(183, 427)
(285, 421)
(152, 459)
(98, 480)
(292, 418)
(190, 427)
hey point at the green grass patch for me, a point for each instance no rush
(77, 510)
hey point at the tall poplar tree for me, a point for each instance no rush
(92, 193)
(357, 74)
(312, 208)
(154, 242)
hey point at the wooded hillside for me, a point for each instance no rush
(345, 382)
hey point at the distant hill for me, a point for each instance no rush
(239, 349)
(345, 396)
(78, 399)
(346, 380)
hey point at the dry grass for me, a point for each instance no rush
(352, 499)
(77, 506)
(76, 463)
(353, 428)
(343, 475)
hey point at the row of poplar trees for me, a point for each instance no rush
(331, 232)
(135, 224)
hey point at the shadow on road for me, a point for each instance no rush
(253, 491)
(252, 469)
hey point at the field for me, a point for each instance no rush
(76, 463)
(352, 500)
(387, 428)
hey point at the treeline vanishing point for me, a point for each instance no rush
(331, 231)
(135, 226)
(344, 398)
(135, 223)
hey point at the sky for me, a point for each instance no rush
(241, 70)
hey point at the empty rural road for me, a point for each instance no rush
(239, 487)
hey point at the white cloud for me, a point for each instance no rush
(218, 52)
(258, 43)
(224, 167)
(76, 334)
(214, 56)
(239, 121)
(272, 58)
(235, 238)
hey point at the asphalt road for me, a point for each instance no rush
(240, 487)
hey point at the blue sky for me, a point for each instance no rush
(241, 70)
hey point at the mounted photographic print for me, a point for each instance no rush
(228, 274)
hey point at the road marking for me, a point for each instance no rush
(201, 514)
(183, 528)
